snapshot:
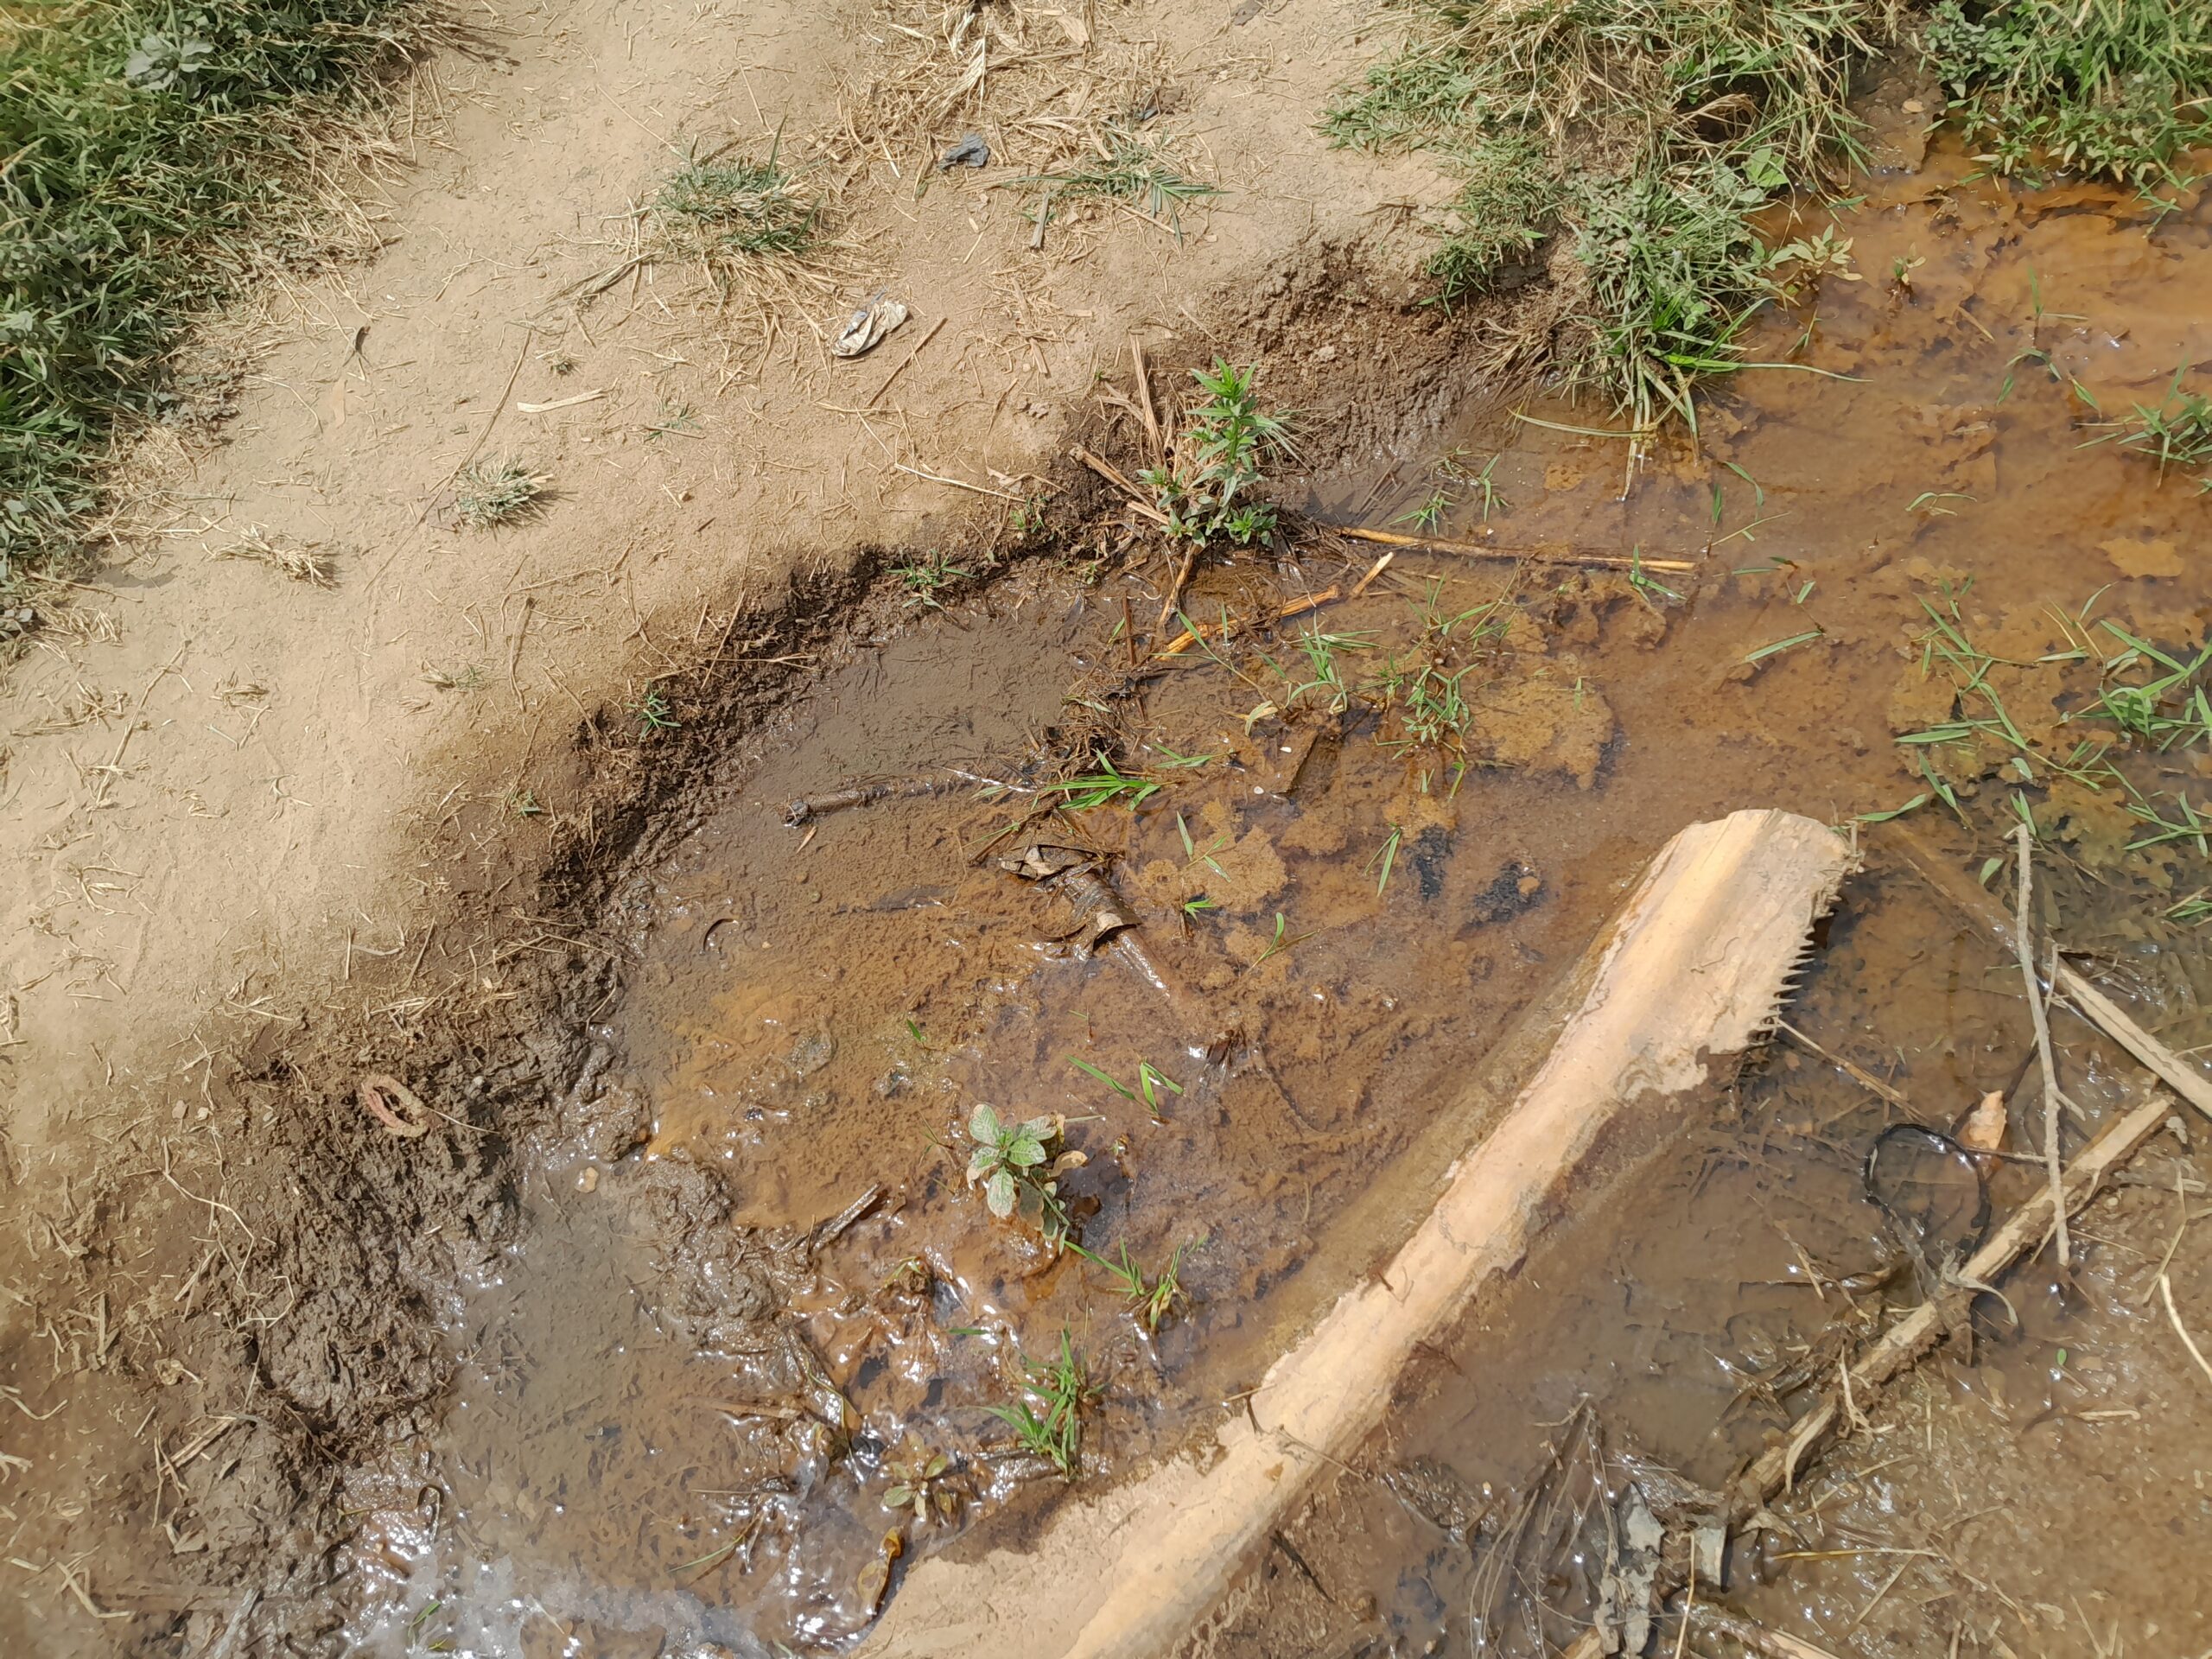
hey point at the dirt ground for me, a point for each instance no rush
(502, 813)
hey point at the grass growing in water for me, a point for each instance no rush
(2115, 88)
(1642, 136)
(1062, 1387)
(153, 153)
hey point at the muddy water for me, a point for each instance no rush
(758, 1294)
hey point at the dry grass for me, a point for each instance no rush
(1042, 88)
(297, 563)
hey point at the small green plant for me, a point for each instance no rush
(1063, 1388)
(1387, 856)
(1429, 514)
(1027, 517)
(652, 711)
(1150, 1300)
(1018, 1167)
(714, 206)
(1284, 939)
(1150, 1081)
(467, 678)
(1107, 786)
(1205, 488)
(926, 581)
(488, 493)
(1326, 686)
(2175, 432)
(2141, 710)
(522, 803)
(674, 419)
(1648, 588)
(921, 1480)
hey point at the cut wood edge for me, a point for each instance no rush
(1694, 968)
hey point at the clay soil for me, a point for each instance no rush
(627, 1349)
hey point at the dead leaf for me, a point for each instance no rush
(1985, 1125)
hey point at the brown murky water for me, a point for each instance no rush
(756, 1289)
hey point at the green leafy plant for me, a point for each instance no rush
(1019, 1168)
(2114, 88)
(1062, 1388)
(922, 1481)
(1205, 488)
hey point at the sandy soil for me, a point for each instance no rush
(221, 812)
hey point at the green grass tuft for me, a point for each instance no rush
(714, 206)
(1646, 135)
(2118, 89)
(154, 154)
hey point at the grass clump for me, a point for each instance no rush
(1062, 1388)
(1649, 132)
(154, 156)
(489, 494)
(718, 209)
(1203, 487)
(2118, 89)
(1645, 136)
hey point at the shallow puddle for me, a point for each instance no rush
(758, 1297)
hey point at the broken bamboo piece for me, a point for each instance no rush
(1533, 554)
(1691, 971)
(1894, 1352)
(2091, 1003)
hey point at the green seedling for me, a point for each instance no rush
(922, 1481)
(1019, 1168)
(1646, 586)
(1429, 514)
(1150, 1300)
(926, 581)
(1284, 940)
(1150, 1082)
(1387, 855)
(652, 711)
(1204, 490)
(1063, 1389)
(1106, 786)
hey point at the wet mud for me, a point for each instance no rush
(757, 1298)
(738, 1340)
